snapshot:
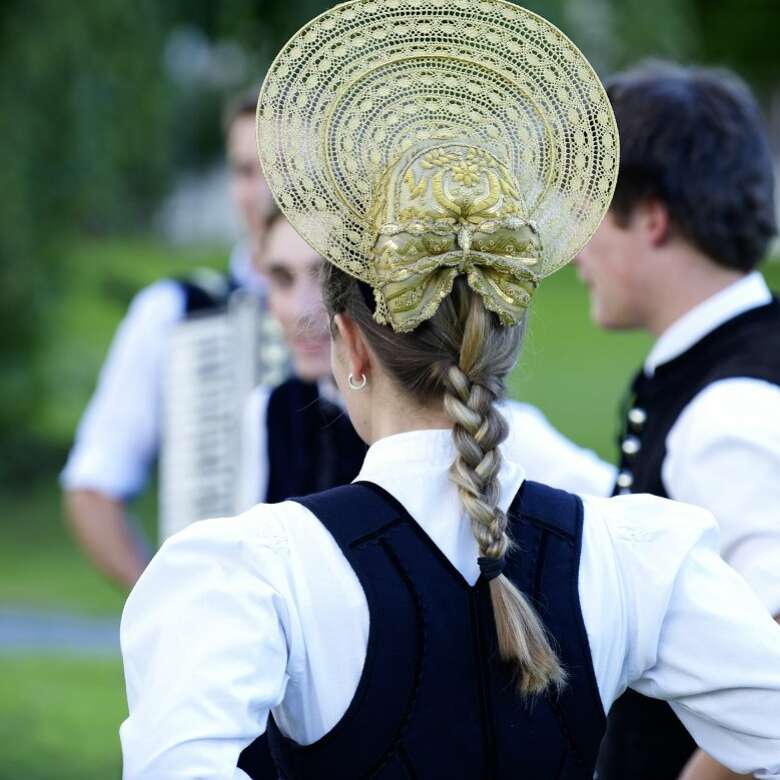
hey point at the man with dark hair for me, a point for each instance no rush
(692, 217)
(119, 435)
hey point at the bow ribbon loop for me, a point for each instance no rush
(447, 211)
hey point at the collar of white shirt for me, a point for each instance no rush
(747, 293)
(413, 467)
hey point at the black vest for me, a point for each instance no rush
(200, 298)
(434, 700)
(312, 445)
(644, 738)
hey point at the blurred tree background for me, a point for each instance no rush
(106, 102)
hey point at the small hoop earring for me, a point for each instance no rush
(353, 385)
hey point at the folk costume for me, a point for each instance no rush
(703, 426)
(180, 366)
(119, 433)
(412, 142)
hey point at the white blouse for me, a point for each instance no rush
(261, 613)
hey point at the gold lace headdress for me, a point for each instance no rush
(409, 141)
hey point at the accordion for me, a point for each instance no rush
(215, 358)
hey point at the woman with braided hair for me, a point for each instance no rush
(441, 616)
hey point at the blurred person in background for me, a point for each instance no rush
(296, 437)
(676, 255)
(119, 434)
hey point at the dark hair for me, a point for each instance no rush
(238, 106)
(692, 138)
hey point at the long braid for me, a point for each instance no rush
(471, 391)
(461, 356)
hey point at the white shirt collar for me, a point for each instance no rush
(431, 449)
(414, 468)
(747, 293)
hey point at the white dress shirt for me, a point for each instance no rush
(119, 434)
(546, 455)
(236, 618)
(723, 452)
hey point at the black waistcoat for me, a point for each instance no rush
(644, 737)
(200, 299)
(434, 700)
(312, 445)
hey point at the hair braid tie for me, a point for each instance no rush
(490, 568)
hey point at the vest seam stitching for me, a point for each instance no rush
(487, 728)
(403, 723)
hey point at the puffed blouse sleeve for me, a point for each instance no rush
(686, 627)
(204, 640)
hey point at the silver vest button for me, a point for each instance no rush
(637, 418)
(625, 479)
(631, 445)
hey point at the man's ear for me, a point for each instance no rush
(356, 351)
(655, 221)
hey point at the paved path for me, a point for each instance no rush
(27, 631)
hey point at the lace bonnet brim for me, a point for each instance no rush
(369, 80)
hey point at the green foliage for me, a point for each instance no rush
(742, 35)
(66, 714)
(82, 147)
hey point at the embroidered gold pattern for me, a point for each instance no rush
(410, 141)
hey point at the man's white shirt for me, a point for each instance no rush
(119, 434)
(723, 452)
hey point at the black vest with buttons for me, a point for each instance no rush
(434, 700)
(644, 737)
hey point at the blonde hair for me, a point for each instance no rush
(461, 357)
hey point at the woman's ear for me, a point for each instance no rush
(356, 352)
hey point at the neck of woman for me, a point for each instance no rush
(392, 413)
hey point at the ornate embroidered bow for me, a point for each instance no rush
(452, 210)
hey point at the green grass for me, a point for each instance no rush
(59, 719)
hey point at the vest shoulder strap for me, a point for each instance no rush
(367, 517)
(553, 509)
